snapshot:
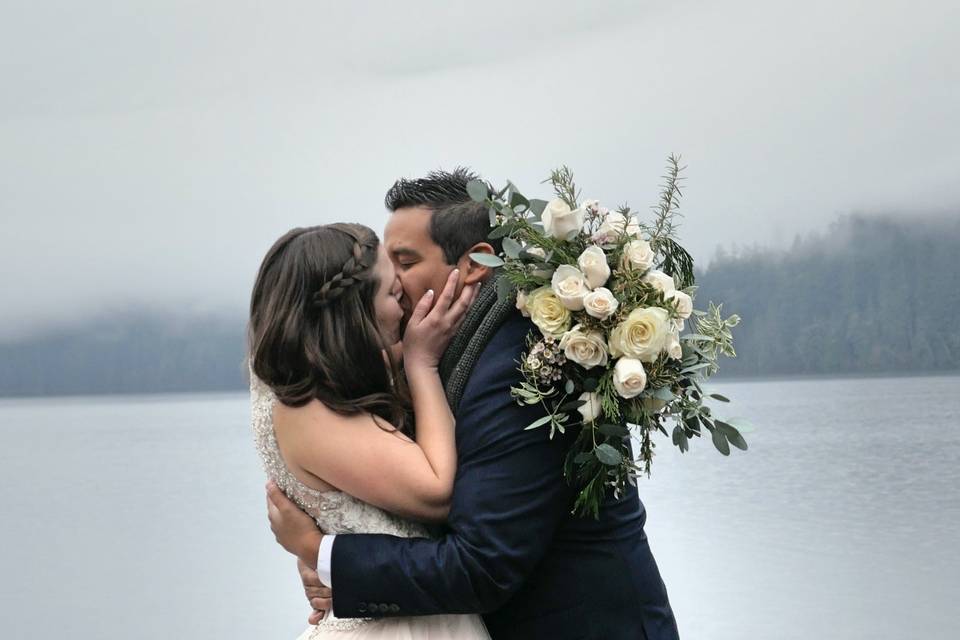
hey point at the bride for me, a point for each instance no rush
(333, 415)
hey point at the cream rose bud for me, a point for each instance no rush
(547, 312)
(683, 302)
(642, 335)
(674, 350)
(593, 264)
(616, 224)
(678, 325)
(600, 303)
(522, 303)
(559, 220)
(591, 410)
(661, 281)
(570, 286)
(629, 377)
(588, 349)
(638, 255)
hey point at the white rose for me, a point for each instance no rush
(683, 302)
(661, 281)
(522, 304)
(593, 264)
(629, 377)
(614, 225)
(678, 325)
(559, 220)
(638, 255)
(600, 303)
(588, 349)
(591, 410)
(643, 335)
(674, 350)
(570, 286)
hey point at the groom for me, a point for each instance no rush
(511, 549)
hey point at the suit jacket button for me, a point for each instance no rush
(394, 608)
(384, 608)
(362, 607)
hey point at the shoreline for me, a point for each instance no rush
(198, 395)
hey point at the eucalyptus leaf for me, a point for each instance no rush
(538, 423)
(486, 260)
(501, 231)
(696, 336)
(608, 455)
(477, 190)
(504, 289)
(732, 435)
(614, 430)
(569, 387)
(720, 442)
(717, 396)
(511, 248)
(517, 199)
(590, 385)
(677, 434)
(537, 207)
(663, 393)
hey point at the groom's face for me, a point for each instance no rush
(418, 259)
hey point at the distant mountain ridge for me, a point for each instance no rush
(872, 295)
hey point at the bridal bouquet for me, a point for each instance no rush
(611, 297)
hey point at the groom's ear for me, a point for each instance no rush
(474, 272)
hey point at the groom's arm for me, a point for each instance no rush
(508, 500)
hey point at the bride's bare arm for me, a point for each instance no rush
(369, 459)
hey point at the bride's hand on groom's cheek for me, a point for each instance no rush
(293, 529)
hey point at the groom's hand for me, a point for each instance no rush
(319, 596)
(294, 530)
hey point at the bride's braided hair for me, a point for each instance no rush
(355, 270)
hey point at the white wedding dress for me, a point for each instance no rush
(336, 512)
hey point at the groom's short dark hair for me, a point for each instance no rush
(458, 222)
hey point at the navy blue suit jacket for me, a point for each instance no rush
(511, 549)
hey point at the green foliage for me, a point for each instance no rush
(563, 186)
(666, 211)
(873, 294)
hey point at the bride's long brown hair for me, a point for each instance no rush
(313, 327)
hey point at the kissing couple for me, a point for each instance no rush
(401, 474)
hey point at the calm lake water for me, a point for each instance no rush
(144, 517)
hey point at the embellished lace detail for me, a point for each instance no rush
(334, 511)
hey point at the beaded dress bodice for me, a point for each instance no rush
(335, 512)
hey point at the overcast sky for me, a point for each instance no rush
(150, 152)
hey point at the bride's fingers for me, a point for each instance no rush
(422, 309)
(316, 617)
(446, 296)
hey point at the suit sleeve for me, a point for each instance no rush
(509, 498)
